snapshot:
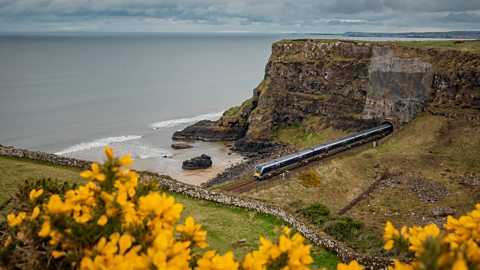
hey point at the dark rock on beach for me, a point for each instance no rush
(201, 162)
(181, 146)
(207, 130)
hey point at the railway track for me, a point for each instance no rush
(243, 186)
(251, 183)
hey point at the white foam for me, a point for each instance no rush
(176, 122)
(97, 143)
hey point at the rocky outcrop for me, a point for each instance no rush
(178, 146)
(398, 88)
(208, 131)
(201, 162)
(350, 85)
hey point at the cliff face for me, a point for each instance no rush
(353, 85)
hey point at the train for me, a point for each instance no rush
(279, 165)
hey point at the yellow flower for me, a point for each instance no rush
(126, 161)
(460, 264)
(35, 213)
(192, 232)
(353, 265)
(125, 242)
(8, 241)
(418, 235)
(398, 265)
(55, 205)
(102, 220)
(390, 234)
(57, 254)
(45, 230)
(108, 152)
(34, 194)
(94, 173)
(14, 221)
(211, 261)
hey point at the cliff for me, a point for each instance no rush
(349, 86)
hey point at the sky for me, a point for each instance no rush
(301, 16)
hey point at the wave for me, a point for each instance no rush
(97, 143)
(176, 122)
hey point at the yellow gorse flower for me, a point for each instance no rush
(15, 220)
(34, 194)
(192, 232)
(290, 252)
(353, 265)
(94, 173)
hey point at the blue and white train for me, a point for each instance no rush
(270, 168)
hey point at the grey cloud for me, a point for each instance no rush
(309, 15)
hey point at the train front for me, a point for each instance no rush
(258, 172)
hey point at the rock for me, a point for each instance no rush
(201, 162)
(250, 148)
(428, 191)
(207, 130)
(181, 145)
(469, 179)
(443, 211)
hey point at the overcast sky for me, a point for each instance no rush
(328, 16)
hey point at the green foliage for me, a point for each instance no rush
(316, 213)
(298, 137)
(351, 232)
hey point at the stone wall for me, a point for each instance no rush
(342, 252)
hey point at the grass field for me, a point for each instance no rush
(225, 225)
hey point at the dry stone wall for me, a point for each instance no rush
(166, 182)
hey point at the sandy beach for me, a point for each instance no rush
(171, 164)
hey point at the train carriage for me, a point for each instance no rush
(268, 169)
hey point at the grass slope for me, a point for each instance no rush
(225, 225)
(421, 160)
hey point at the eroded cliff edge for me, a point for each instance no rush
(349, 86)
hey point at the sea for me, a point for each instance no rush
(72, 94)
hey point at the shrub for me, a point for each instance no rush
(317, 213)
(457, 247)
(309, 178)
(112, 222)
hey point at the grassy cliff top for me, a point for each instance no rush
(460, 45)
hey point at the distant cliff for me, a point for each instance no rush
(351, 85)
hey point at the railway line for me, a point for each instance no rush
(255, 182)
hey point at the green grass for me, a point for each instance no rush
(226, 225)
(470, 46)
(14, 171)
(296, 136)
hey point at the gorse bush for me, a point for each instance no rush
(457, 247)
(112, 222)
